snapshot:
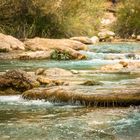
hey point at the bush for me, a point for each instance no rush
(51, 18)
(57, 55)
(128, 22)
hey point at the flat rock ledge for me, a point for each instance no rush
(70, 95)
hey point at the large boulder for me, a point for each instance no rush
(62, 45)
(9, 43)
(82, 39)
(18, 80)
(48, 44)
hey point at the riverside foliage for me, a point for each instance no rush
(128, 22)
(50, 18)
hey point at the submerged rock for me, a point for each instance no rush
(17, 80)
(82, 39)
(114, 67)
(9, 43)
(92, 83)
(131, 56)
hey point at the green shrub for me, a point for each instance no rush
(51, 18)
(128, 22)
(57, 55)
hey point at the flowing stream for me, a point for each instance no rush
(40, 120)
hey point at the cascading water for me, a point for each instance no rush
(23, 119)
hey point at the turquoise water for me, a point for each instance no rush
(39, 120)
(21, 119)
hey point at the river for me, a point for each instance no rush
(41, 120)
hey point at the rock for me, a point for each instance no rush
(35, 55)
(117, 97)
(133, 36)
(114, 67)
(50, 82)
(94, 39)
(9, 43)
(125, 64)
(9, 91)
(131, 56)
(134, 65)
(39, 71)
(138, 38)
(74, 71)
(17, 80)
(113, 57)
(62, 45)
(92, 83)
(44, 80)
(47, 44)
(82, 39)
(4, 47)
(103, 35)
(56, 72)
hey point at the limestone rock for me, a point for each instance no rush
(82, 39)
(62, 45)
(94, 39)
(114, 67)
(138, 37)
(47, 44)
(57, 72)
(9, 43)
(50, 82)
(117, 97)
(106, 34)
(4, 47)
(75, 71)
(35, 55)
(9, 91)
(18, 80)
(39, 71)
(125, 64)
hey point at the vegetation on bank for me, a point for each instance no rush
(58, 55)
(51, 18)
(128, 22)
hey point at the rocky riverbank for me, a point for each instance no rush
(43, 48)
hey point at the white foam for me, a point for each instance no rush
(18, 100)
